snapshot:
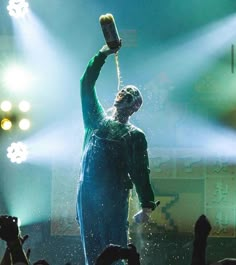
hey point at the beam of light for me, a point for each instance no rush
(184, 62)
(59, 147)
(59, 74)
(6, 105)
(15, 189)
(189, 57)
(16, 77)
(6, 124)
(60, 142)
(209, 139)
(55, 85)
(212, 138)
(18, 8)
(213, 141)
(17, 152)
(28, 211)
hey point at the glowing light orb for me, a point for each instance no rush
(17, 8)
(17, 152)
(24, 106)
(24, 124)
(6, 106)
(6, 124)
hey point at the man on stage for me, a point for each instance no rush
(114, 159)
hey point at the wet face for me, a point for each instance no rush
(126, 97)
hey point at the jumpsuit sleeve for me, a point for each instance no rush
(140, 171)
(92, 110)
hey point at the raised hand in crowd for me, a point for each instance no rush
(41, 262)
(134, 257)
(9, 232)
(114, 253)
(202, 229)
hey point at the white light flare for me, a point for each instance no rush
(18, 8)
(17, 152)
(16, 78)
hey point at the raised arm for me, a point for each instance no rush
(6, 259)
(92, 110)
(9, 232)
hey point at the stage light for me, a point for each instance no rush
(24, 124)
(24, 106)
(6, 124)
(17, 152)
(16, 78)
(17, 8)
(6, 106)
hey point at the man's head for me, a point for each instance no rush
(128, 99)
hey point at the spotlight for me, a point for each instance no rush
(24, 124)
(24, 106)
(17, 152)
(17, 8)
(6, 124)
(6, 106)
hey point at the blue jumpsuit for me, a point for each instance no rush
(114, 158)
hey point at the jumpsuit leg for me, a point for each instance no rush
(90, 220)
(103, 220)
(117, 219)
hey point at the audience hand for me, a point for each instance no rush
(9, 230)
(109, 255)
(134, 258)
(41, 262)
(202, 227)
(115, 252)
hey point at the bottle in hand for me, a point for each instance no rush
(110, 31)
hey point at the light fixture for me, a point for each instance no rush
(17, 152)
(18, 8)
(6, 106)
(24, 124)
(24, 106)
(6, 124)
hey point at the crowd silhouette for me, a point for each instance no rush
(15, 254)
